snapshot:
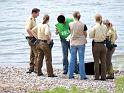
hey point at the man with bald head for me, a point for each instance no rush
(99, 34)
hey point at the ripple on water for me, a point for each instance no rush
(14, 47)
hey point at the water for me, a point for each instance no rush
(14, 49)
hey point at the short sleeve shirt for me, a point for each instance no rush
(98, 32)
(112, 35)
(30, 23)
(63, 29)
(42, 31)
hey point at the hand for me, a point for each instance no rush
(56, 31)
(48, 41)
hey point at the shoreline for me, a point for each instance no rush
(16, 80)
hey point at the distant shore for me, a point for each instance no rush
(15, 80)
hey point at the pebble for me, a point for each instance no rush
(16, 80)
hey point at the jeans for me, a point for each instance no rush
(81, 50)
(65, 48)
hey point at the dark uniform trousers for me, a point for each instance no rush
(99, 55)
(33, 57)
(109, 66)
(43, 50)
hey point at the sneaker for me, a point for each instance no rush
(76, 72)
(110, 77)
(40, 74)
(65, 73)
(30, 71)
(103, 79)
(83, 78)
(71, 77)
(96, 79)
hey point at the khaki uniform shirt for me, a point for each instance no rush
(77, 35)
(30, 23)
(112, 35)
(42, 31)
(98, 32)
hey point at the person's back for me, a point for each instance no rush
(43, 31)
(100, 32)
(111, 38)
(77, 33)
(77, 41)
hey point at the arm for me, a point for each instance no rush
(92, 33)
(29, 32)
(85, 31)
(116, 36)
(34, 32)
(28, 28)
(56, 32)
(48, 33)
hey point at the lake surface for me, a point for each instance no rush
(14, 49)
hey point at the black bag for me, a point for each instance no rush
(89, 68)
(51, 44)
(31, 40)
(109, 45)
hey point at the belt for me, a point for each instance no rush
(100, 42)
(45, 41)
(28, 37)
(103, 42)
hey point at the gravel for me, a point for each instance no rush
(16, 80)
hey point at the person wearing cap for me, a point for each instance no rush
(112, 36)
(98, 34)
(43, 34)
(77, 43)
(62, 28)
(30, 23)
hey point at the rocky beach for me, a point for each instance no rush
(16, 80)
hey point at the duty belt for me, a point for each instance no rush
(45, 41)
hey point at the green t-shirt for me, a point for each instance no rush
(63, 29)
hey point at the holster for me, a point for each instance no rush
(31, 40)
(51, 44)
(93, 42)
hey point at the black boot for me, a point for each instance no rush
(30, 71)
(53, 76)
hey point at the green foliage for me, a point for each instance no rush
(119, 85)
(72, 90)
(57, 90)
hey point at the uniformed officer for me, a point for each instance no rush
(31, 22)
(99, 34)
(43, 34)
(111, 36)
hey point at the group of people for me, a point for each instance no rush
(73, 34)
